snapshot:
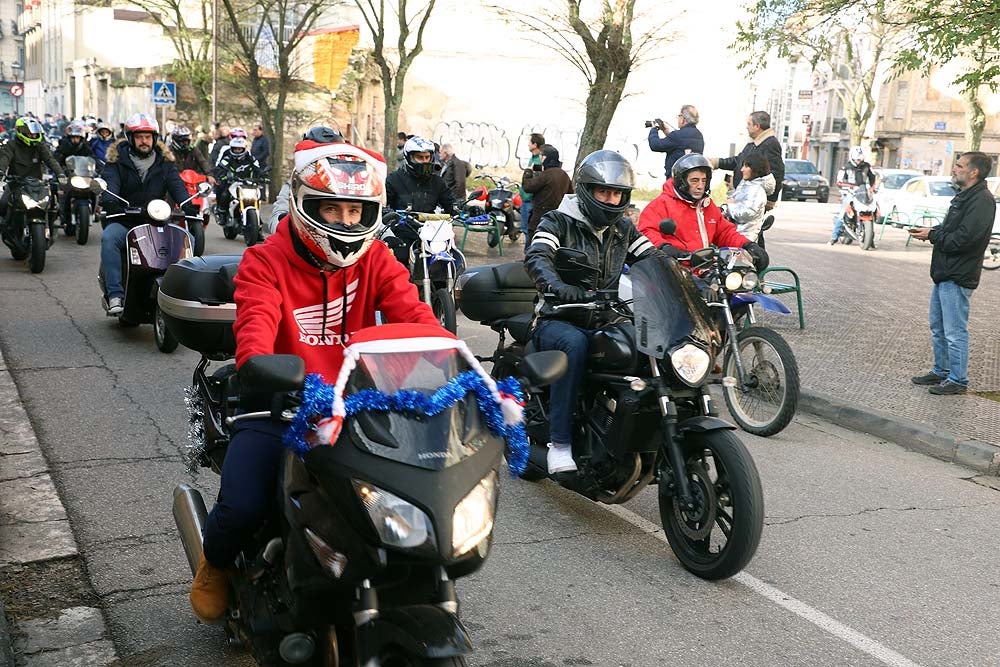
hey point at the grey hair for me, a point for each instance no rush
(447, 147)
(761, 119)
(689, 114)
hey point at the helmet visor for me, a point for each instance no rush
(342, 176)
(615, 174)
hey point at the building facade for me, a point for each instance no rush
(11, 56)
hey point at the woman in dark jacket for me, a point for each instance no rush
(548, 183)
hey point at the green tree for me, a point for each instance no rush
(394, 67)
(602, 49)
(844, 40)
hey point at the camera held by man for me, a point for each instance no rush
(658, 124)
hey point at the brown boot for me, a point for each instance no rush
(209, 592)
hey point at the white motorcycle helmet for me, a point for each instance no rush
(857, 154)
(340, 172)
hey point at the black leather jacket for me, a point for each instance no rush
(608, 250)
(962, 238)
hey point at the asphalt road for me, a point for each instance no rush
(871, 555)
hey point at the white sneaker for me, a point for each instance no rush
(560, 459)
(115, 306)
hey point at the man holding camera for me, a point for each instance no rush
(685, 139)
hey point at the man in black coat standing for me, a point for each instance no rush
(685, 139)
(956, 264)
(762, 141)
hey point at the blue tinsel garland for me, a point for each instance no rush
(317, 403)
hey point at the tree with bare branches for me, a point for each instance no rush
(263, 36)
(602, 49)
(846, 43)
(394, 66)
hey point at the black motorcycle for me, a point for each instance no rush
(357, 563)
(644, 414)
(150, 248)
(26, 229)
(82, 198)
(242, 214)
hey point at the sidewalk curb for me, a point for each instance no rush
(983, 457)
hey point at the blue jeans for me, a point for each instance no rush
(249, 483)
(949, 319)
(112, 245)
(838, 222)
(574, 341)
(525, 214)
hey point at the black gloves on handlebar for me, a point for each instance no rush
(760, 258)
(190, 210)
(670, 251)
(572, 293)
(389, 217)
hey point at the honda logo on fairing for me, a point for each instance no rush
(310, 319)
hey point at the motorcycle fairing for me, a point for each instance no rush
(704, 424)
(668, 307)
(156, 247)
(766, 301)
(425, 631)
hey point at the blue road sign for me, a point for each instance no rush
(164, 92)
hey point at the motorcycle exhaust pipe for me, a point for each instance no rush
(189, 515)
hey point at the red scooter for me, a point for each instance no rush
(192, 179)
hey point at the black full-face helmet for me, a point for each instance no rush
(680, 170)
(604, 169)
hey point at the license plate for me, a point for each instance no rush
(808, 192)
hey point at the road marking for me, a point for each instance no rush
(863, 643)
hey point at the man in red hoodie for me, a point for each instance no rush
(305, 291)
(699, 222)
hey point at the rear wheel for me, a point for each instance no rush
(719, 536)
(492, 238)
(443, 305)
(769, 396)
(251, 232)
(83, 216)
(38, 246)
(166, 342)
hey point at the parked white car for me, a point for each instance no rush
(889, 183)
(923, 200)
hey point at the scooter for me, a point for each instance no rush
(192, 179)
(83, 201)
(502, 202)
(150, 249)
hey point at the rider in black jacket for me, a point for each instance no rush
(414, 184)
(74, 144)
(24, 155)
(591, 221)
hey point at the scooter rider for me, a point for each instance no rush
(73, 144)
(23, 156)
(102, 141)
(414, 184)
(139, 169)
(685, 199)
(856, 172)
(185, 155)
(236, 164)
(325, 258)
(590, 221)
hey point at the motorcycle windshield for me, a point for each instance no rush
(82, 166)
(431, 442)
(668, 307)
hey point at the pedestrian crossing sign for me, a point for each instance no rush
(164, 92)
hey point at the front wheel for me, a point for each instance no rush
(395, 659)
(991, 258)
(198, 234)
(251, 230)
(443, 305)
(719, 535)
(765, 402)
(166, 342)
(492, 238)
(83, 216)
(868, 234)
(36, 251)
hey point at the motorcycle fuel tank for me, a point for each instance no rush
(613, 348)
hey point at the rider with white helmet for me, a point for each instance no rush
(304, 291)
(415, 184)
(856, 172)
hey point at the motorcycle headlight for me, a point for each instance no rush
(28, 202)
(750, 281)
(80, 182)
(734, 281)
(473, 518)
(249, 194)
(158, 210)
(690, 363)
(397, 522)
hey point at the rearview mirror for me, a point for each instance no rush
(703, 257)
(101, 182)
(204, 188)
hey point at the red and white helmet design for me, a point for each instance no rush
(237, 132)
(339, 172)
(141, 122)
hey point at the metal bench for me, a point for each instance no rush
(775, 287)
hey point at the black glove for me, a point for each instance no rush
(572, 293)
(190, 210)
(95, 187)
(390, 217)
(670, 251)
(760, 258)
